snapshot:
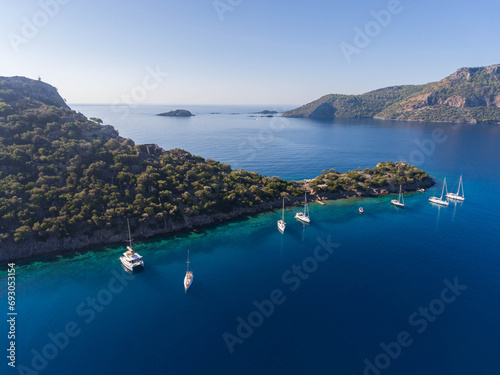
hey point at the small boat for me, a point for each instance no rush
(421, 190)
(130, 259)
(304, 216)
(457, 195)
(281, 223)
(361, 210)
(400, 202)
(188, 279)
(440, 199)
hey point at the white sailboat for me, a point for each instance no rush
(130, 259)
(400, 202)
(457, 195)
(281, 223)
(188, 279)
(304, 216)
(440, 199)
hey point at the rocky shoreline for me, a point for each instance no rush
(108, 236)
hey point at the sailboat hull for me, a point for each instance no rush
(137, 267)
(437, 200)
(281, 226)
(455, 197)
(188, 282)
(303, 219)
(397, 203)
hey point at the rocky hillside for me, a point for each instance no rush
(469, 95)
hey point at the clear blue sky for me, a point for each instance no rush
(262, 52)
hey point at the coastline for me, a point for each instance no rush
(108, 237)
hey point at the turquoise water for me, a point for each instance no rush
(362, 289)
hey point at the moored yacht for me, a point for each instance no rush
(188, 279)
(400, 202)
(457, 196)
(130, 259)
(304, 216)
(281, 223)
(440, 199)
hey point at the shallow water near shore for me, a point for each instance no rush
(362, 276)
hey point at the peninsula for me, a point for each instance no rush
(470, 95)
(68, 182)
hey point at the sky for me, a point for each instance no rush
(241, 51)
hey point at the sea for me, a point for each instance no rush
(412, 290)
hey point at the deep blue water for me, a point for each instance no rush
(381, 268)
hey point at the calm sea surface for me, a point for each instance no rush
(425, 275)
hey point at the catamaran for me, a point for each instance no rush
(281, 223)
(457, 195)
(400, 202)
(188, 279)
(130, 259)
(304, 216)
(440, 199)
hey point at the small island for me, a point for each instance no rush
(177, 113)
(266, 112)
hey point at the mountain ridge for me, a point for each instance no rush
(469, 95)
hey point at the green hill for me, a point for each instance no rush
(469, 95)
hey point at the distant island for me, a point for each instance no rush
(177, 113)
(470, 95)
(266, 112)
(68, 182)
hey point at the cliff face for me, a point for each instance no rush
(470, 95)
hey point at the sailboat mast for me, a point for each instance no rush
(187, 269)
(283, 212)
(129, 234)
(442, 191)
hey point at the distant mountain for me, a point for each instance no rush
(470, 95)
